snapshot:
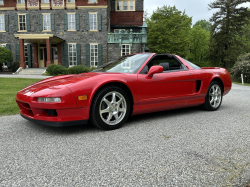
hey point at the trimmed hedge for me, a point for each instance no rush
(242, 66)
(54, 70)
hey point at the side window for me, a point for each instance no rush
(168, 63)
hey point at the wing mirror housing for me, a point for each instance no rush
(155, 69)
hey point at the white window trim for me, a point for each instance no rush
(3, 23)
(19, 23)
(125, 48)
(49, 22)
(72, 56)
(96, 21)
(122, 5)
(68, 20)
(94, 55)
(96, 2)
(3, 44)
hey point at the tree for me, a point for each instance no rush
(168, 30)
(204, 24)
(5, 55)
(199, 44)
(227, 23)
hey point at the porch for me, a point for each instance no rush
(46, 48)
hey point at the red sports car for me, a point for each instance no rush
(134, 84)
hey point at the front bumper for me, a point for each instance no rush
(57, 124)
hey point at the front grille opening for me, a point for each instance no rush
(25, 108)
(51, 112)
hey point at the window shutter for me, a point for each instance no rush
(78, 52)
(88, 55)
(17, 52)
(29, 55)
(66, 59)
(99, 54)
(40, 21)
(77, 22)
(87, 21)
(65, 16)
(6, 23)
(99, 21)
(8, 46)
(16, 22)
(52, 17)
(28, 21)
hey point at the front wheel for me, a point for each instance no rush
(213, 98)
(110, 108)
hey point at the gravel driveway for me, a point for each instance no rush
(186, 147)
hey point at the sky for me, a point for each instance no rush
(197, 9)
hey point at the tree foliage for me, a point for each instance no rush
(168, 31)
(204, 24)
(227, 23)
(5, 55)
(199, 45)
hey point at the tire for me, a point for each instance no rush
(110, 108)
(213, 98)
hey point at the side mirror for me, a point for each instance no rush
(155, 69)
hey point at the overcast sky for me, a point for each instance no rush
(197, 9)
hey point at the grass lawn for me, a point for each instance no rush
(245, 84)
(8, 90)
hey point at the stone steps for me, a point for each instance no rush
(33, 71)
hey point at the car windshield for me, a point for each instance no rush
(126, 64)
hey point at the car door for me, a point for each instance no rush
(167, 88)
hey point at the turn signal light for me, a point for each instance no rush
(82, 97)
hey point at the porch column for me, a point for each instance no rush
(48, 52)
(22, 55)
(59, 53)
(35, 56)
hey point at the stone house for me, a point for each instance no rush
(71, 32)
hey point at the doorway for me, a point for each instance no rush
(42, 57)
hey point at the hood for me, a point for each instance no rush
(57, 82)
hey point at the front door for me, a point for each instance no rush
(42, 56)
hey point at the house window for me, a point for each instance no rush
(22, 22)
(2, 45)
(46, 22)
(2, 23)
(71, 1)
(92, 1)
(72, 55)
(93, 55)
(1, 2)
(125, 49)
(93, 21)
(26, 53)
(71, 22)
(125, 5)
(21, 1)
(45, 1)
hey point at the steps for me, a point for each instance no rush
(33, 71)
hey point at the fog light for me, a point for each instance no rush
(49, 99)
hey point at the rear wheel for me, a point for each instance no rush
(213, 98)
(111, 108)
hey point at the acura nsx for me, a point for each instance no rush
(133, 84)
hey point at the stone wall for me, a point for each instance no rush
(83, 37)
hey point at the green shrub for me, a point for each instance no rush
(5, 56)
(242, 66)
(54, 69)
(78, 69)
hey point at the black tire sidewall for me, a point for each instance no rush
(95, 116)
(207, 102)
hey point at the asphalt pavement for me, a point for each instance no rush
(184, 147)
